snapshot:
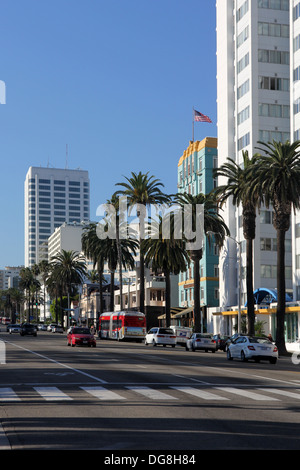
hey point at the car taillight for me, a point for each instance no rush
(252, 348)
(172, 336)
(160, 336)
(198, 340)
(275, 349)
(213, 341)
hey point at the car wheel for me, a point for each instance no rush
(146, 344)
(213, 350)
(154, 343)
(273, 360)
(229, 357)
(243, 357)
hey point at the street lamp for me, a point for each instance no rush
(239, 244)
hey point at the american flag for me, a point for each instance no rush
(200, 117)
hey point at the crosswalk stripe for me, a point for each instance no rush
(152, 393)
(52, 393)
(247, 394)
(102, 393)
(285, 393)
(200, 393)
(7, 394)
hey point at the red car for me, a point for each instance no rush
(80, 336)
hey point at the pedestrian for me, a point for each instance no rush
(270, 337)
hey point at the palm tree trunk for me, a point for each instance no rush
(249, 286)
(112, 291)
(142, 280)
(280, 314)
(197, 307)
(100, 274)
(168, 299)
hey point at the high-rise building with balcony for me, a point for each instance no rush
(253, 104)
(52, 196)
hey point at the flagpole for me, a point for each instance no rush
(193, 122)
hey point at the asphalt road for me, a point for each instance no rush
(130, 397)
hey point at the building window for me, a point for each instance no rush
(244, 141)
(273, 83)
(243, 115)
(242, 10)
(273, 110)
(273, 29)
(273, 56)
(274, 4)
(243, 63)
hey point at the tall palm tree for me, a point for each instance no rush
(238, 189)
(26, 282)
(166, 254)
(143, 189)
(277, 177)
(69, 268)
(213, 224)
(92, 247)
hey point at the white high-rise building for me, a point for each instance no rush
(253, 103)
(52, 196)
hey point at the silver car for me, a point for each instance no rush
(14, 329)
(202, 341)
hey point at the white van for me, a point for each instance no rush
(182, 333)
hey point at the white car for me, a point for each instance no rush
(252, 347)
(14, 329)
(158, 335)
(57, 329)
(202, 341)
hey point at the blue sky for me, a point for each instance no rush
(115, 80)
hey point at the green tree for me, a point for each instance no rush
(142, 189)
(277, 178)
(214, 227)
(239, 190)
(69, 267)
(167, 254)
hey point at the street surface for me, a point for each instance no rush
(128, 396)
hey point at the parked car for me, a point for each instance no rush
(203, 341)
(42, 327)
(252, 347)
(80, 336)
(28, 329)
(163, 336)
(221, 341)
(14, 329)
(57, 329)
(51, 326)
(230, 340)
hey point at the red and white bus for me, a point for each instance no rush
(5, 320)
(122, 326)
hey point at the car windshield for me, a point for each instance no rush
(203, 335)
(81, 331)
(258, 340)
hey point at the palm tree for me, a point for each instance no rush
(165, 254)
(277, 177)
(26, 282)
(142, 189)
(92, 247)
(213, 224)
(239, 189)
(69, 268)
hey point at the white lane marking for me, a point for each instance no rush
(52, 393)
(7, 394)
(59, 363)
(247, 394)
(102, 393)
(200, 393)
(4, 442)
(285, 393)
(151, 393)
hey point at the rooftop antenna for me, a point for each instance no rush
(66, 156)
